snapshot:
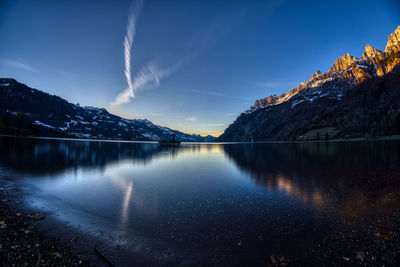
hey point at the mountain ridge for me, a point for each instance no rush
(28, 111)
(346, 68)
(346, 73)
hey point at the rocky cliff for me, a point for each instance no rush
(323, 91)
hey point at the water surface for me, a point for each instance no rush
(209, 203)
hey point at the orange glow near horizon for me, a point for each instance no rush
(181, 127)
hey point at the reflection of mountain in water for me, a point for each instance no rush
(353, 178)
(49, 156)
(39, 156)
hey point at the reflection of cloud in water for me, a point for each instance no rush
(126, 188)
(131, 200)
(351, 180)
(125, 204)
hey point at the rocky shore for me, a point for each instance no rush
(22, 244)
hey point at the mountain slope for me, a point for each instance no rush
(28, 111)
(355, 97)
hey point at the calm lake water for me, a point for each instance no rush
(208, 203)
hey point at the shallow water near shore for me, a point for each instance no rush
(209, 203)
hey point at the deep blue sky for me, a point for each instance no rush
(223, 54)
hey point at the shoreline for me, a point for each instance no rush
(29, 236)
(32, 236)
(24, 243)
(371, 243)
(27, 229)
(356, 139)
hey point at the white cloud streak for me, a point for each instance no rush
(151, 72)
(192, 119)
(215, 125)
(134, 14)
(215, 94)
(18, 64)
(277, 84)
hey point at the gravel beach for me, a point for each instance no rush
(22, 244)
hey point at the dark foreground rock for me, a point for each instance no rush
(22, 244)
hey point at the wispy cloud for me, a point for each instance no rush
(214, 94)
(215, 125)
(153, 72)
(277, 84)
(192, 119)
(11, 63)
(134, 13)
(150, 73)
(204, 92)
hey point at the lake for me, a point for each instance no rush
(211, 204)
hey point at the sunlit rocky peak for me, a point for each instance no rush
(346, 72)
(393, 44)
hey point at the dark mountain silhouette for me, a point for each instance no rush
(28, 111)
(357, 97)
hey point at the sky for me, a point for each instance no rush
(189, 65)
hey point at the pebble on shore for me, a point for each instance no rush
(21, 244)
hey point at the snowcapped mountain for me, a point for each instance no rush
(346, 72)
(319, 93)
(24, 110)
